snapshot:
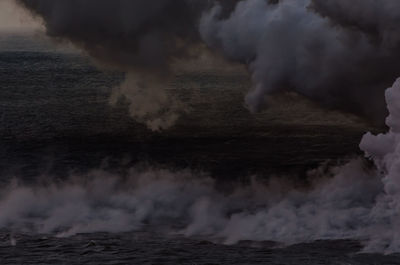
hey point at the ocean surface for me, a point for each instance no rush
(59, 133)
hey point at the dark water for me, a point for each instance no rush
(56, 119)
(55, 114)
(149, 248)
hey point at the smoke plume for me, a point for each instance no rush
(343, 54)
(131, 34)
(339, 53)
(141, 38)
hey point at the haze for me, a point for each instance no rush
(14, 18)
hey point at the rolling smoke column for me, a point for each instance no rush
(384, 150)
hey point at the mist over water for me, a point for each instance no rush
(353, 201)
(207, 168)
(347, 204)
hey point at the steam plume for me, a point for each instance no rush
(343, 54)
(348, 202)
(340, 60)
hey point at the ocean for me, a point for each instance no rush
(82, 182)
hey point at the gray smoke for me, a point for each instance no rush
(378, 19)
(142, 38)
(342, 54)
(129, 34)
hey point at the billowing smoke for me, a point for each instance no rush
(343, 54)
(142, 38)
(329, 51)
(378, 19)
(139, 35)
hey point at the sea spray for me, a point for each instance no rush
(334, 208)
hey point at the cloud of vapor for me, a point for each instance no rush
(339, 53)
(273, 210)
(148, 103)
(384, 149)
(342, 54)
(351, 201)
(378, 19)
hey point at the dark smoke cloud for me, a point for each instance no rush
(140, 37)
(341, 53)
(146, 35)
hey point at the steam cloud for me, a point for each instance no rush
(318, 48)
(149, 103)
(349, 201)
(343, 54)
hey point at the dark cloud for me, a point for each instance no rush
(140, 37)
(340, 53)
(133, 34)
